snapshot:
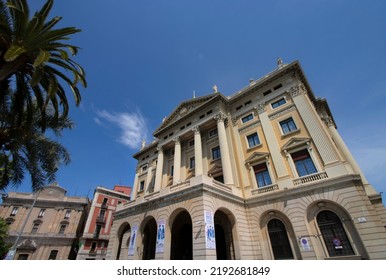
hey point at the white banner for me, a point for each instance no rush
(210, 240)
(132, 240)
(160, 237)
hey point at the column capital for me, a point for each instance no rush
(220, 117)
(328, 121)
(177, 140)
(297, 90)
(260, 108)
(196, 129)
(160, 149)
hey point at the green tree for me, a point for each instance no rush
(4, 247)
(35, 68)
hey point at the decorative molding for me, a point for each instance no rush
(196, 129)
(177, 140)
(283, 112)
(250, 126)
(260, 108)
(328, 121)
(297, 90)
(220, 117)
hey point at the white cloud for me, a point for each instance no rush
(133, 127)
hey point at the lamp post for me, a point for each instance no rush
(12, 252)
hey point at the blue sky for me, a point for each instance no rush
(143, 58)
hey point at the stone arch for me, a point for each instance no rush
(181, 238)
(346, 221)
(276, 227)
(224, 222)
(148, 238)
(120, 241)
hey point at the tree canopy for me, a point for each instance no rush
(36, 67)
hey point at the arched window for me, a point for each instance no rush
(334, 235)
(279, 240)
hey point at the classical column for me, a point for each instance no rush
(135, 187)
(346, 152)
(272, 143)
(159, 169)
(177, 161)
(313, 124)
(149, 177)
(198, 169)
(225, 157)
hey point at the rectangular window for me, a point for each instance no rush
(216, 154)
(213, 133)
(53, 255)
(35, 227)
(247, 118)
(41, 213)
(277, 87)
(278, 103)
(68, 214)
(62, 228)
(141, 186)
(253, 140)
(93, 247)
(172, 171)
(303, 162)
(288, 126)
(262, 175)
(97, 231)
(14, 211)
(192, 163)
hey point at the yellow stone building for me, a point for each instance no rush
(261, 174)
(45, 225)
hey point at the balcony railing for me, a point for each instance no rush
(310, 178)
(100, 219)
(265, 189)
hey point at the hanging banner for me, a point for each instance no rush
(132, 240)
(210, 240)
(160, 237)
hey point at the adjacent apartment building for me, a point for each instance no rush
(94, 241)
(260, 174)
(45, 225)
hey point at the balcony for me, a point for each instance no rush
(100, 219)
(310, 178)
(265, 189)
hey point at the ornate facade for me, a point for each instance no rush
(45, 225)
(261, 174)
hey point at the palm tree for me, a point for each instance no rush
(27, 148)
(33, 58)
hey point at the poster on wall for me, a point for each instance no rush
(132, 240)
(210, 240)
(160, 237)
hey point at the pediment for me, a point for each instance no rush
(294, 143)
(256, 157)
(216, 169)
(184, 109)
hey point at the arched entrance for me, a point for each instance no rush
(125, 228)
(182, 237)
(224, 239)
(149, 239)
(334, 234)
(279, 240)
